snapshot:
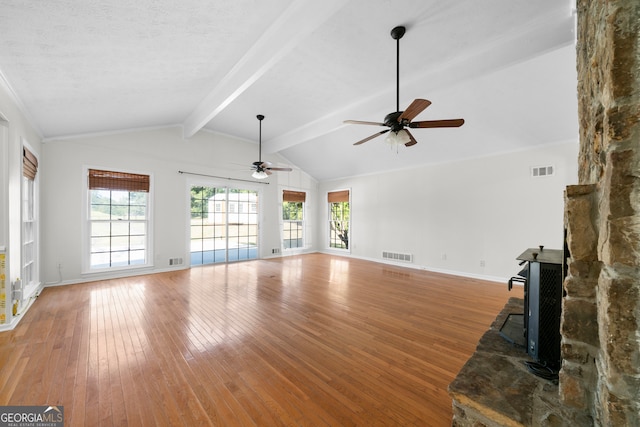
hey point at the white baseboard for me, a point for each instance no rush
(502, 280)
(33, 295)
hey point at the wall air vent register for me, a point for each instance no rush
(540, 171)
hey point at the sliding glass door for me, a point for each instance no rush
(224, 224)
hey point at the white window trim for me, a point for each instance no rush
(86, 235)
(30, 288)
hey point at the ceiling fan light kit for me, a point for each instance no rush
(259, 174)
(395, 139)
(399, 121)
(262, 170)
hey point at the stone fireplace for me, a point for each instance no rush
(600, 375)
(599, 381)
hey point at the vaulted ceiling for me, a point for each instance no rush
(506, 66)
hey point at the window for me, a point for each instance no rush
(118, 219)
(224, 224)
(293, 219)
(29, 219)
(339, 219)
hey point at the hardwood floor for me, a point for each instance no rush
(311, 340)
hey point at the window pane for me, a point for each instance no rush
(100, 229)
(120, 198)
(100, 244)
(28, 252)
(196, 245)
(138, 212)
(138, 257)
(138, 199)
(207, 231)
(209, 257)
(220, 231)
(119, 259)
(137, 243)
(196, 231)
(119, 243)
(28, 231)
(100, 260)
(138, 228)
(120, 228)
(102, 197)
(119, 212)
(99, 212)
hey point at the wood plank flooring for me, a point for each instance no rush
(310, 340)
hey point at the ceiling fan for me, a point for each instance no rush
(261, 169)
(399, 121)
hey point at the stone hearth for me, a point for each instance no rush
(495, 388)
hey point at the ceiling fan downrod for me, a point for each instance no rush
(397, 34)
(260, 118)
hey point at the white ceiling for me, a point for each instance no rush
(506, 66)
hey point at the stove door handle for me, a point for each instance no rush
(516, 279)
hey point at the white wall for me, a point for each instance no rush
(160, 153)
(16, 130)
(453, 216)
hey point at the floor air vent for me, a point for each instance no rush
(175, 261)
(397, 256)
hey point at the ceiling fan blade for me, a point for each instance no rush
(360, 122)
(279, 169)
(412, 139)
(451, 123)
(371, 137)
(416, 107)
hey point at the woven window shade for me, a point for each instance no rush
(338, 196)
(29, 164)
(117, 181)
(293, 196)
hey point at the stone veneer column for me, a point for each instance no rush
(601, 312)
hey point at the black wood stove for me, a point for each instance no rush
(542, 276)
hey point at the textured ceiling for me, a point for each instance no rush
(506, 66)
